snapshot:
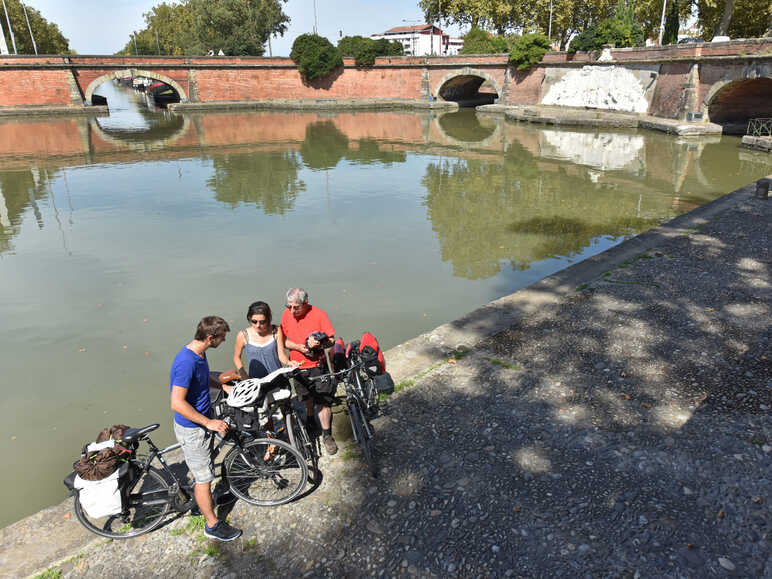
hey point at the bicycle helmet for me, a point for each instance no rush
(247, 392)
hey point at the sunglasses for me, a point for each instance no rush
(289, 307)
(259, 322)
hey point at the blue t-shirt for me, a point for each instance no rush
(191, 371)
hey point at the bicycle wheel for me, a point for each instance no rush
(300, 439)
(148, 503)
(261, 482)
(360, 430)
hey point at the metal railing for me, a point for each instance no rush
(759, 127)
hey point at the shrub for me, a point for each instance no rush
(365, 50)
(528, 50)
(478, 41)
(609, 31)
(315, 56)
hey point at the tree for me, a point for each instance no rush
(528, 50)
(48, 37)
(749, 18)
(672, 24)
(237, 27)
(498, 15)
(365, 50)
(622, 30)
(478, 41)
(315, 56)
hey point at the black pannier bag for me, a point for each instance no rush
(383, 383)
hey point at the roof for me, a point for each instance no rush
(401, 29)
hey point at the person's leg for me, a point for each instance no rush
(325, 417)
(203, 495)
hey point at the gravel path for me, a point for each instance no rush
(623, 431)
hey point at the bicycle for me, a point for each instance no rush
(361, 404)
(149, 494)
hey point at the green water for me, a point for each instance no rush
(118, 233)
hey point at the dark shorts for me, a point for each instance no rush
(321, 391)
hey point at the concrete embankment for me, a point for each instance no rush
(569, 116)
(610, 420)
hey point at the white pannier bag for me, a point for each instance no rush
(99, 498)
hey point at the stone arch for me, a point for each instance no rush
(463, 84)
(730, 103)
(133, 72)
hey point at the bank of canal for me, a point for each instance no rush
(115, 237)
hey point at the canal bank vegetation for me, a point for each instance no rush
(315, 56)
(189, 27)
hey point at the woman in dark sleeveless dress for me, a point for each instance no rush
(262, 344)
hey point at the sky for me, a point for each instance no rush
(104, 26)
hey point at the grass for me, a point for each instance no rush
(249, 543)
(176, 532)
(195, 523)
(50, 573)
(503, 364)
(582, 287)
(349, 452)
(212, 551)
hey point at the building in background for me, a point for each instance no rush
(422, 40)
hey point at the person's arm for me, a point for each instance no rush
(281, 347)
(238, 349)
(183, 408)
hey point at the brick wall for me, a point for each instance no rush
(24, 87)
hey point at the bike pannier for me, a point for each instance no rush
(369, 352)
(383, 383)
(99, 498)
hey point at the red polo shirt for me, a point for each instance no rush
(298, 329)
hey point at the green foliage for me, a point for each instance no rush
(622, 30)
(670, 36)
(528, 50)
(315, 56)
(237, 27)
(750, 18)
(48, 37)
(365, 50)
(478, 41)
(50, 573)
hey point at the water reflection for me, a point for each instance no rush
(487, 215)
(21, 191)
(268, 180)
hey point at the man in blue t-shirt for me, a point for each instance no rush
(189, 381)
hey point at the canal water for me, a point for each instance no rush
(118, 233)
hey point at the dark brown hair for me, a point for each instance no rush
(211, 326)
(261, 308)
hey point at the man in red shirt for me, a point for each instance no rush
(298, 322)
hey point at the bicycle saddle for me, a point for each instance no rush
(132, 434)
(246, 392)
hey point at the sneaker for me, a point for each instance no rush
(222, 531)
(329, 444)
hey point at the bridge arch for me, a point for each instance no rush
(88, 95)
(730, 103)
(463, 86)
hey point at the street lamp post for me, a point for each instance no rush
(32, 36)
(315, 20)
(549, 33)
(10, 28)
(662, 23)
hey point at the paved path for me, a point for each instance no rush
(610, 421)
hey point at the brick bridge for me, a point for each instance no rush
(727, 82)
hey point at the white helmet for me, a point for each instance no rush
(246, 392)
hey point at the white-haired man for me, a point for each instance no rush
(299, 321)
